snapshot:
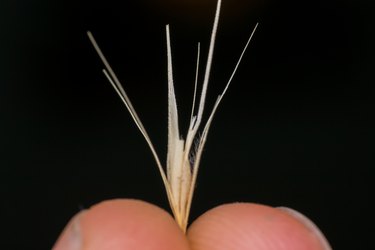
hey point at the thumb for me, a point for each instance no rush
(251, 226)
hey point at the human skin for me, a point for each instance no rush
(132, 224)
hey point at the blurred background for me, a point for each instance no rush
(293, 130)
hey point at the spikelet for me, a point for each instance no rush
(183, 154)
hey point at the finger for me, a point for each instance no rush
(249, 226)
(122, 224)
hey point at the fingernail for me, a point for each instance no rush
(309, 224)
(70, 238)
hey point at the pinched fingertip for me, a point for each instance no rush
(251, 226)
(122, 224)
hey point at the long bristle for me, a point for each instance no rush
(183, 156)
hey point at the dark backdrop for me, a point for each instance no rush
(293, 130)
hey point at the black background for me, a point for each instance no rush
(293, 130)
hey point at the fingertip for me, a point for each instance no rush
(126, 224)
(309, 224)
(251, 226)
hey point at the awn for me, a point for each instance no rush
(183, 154)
